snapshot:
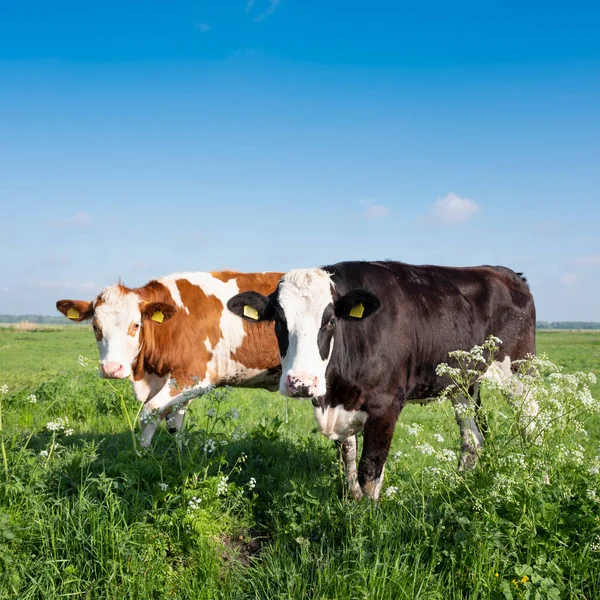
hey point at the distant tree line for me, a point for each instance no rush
(60, 320)
(43, 319)
(567, 325)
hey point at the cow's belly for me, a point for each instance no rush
(337, 423)
(253, 378)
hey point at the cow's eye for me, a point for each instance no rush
(136, 325)
(332, 321)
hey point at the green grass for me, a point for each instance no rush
(92, 520)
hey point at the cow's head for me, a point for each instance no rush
(306, 309)
(119, 317)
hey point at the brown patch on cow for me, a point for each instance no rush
(97, 329)
(177, 346)
(225, 276)
(259, 348)
(85, 309)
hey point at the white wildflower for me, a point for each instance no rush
(222, 486)
(83, 361)
(211, 412)
(163, 486)
(172, 383)
(399, 454)
(414, 429)
(59, 425)
(194, 503)
(69, 431)
(447, 456)
(438, 438)
(4, 389)
(32, 398)
(210, 445)
(234, 414)
(426, 449)
(44, 453)
(390, 491)
(251, 483)
(591, 494)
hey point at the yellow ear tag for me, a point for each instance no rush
(357, 311)
(158, 316)
(72, 313)
(250, 312)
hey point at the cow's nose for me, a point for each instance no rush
(300, 387)
(112, 370)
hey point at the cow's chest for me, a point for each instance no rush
(337, 423)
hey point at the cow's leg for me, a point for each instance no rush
(155, 410)
(472, 438)
(378, 434)
(348, 450)
(176, 419)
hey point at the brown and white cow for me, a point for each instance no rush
(178, 327)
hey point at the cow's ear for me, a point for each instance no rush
(251, 306)
(76, 310)
(159, 312)
(357, 305)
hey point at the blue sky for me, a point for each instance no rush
(142, 138)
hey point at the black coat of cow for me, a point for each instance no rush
(414, 316)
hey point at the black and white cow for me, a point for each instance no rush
(364, 338)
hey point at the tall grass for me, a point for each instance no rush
(254, 508)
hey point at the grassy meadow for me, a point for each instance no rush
(253, 506)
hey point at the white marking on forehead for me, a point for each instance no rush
(118, 303)
(306, 281)
(305, 293)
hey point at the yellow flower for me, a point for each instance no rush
(524, 579)
(497, 575)
(516, 583)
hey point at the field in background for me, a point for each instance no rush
(91, 515)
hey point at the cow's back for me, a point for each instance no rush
(427, 311)
(204, 342)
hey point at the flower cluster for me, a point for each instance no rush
(194, 503)
(61, 424)
(222, 486)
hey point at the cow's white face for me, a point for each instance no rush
(118, 316)
(117, 323)
(307, 319)
(306, 310)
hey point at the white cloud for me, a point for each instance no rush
(377, 211)
(249, 5)
(591, 260)
(203, 27)
(452, 209)
(273, 4)
(569, 279)
(81, 219)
